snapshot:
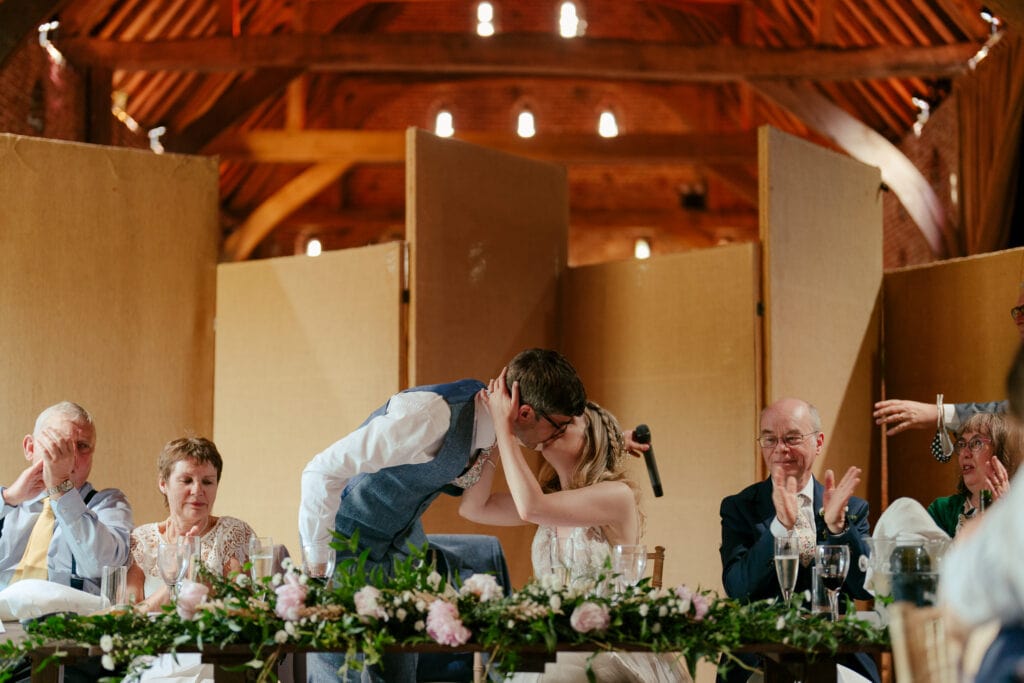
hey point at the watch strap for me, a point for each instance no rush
(62, 487)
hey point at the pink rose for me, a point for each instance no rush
(291, 597)
(190, 596)
(483, 586)
(700, 606)
(590, 617)
(367, 605)
(444, 625)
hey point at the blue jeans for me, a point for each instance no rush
(394, 668)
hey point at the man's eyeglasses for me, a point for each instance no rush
(559, 428)
(770, 441)
(1017, 312)
(976, 444)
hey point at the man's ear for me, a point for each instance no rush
(525, 412)
(28, 445)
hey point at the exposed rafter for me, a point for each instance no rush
(374, 146)
(294, 194)
(451, 55)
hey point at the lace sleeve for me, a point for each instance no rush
(230, 541)
(145, 540)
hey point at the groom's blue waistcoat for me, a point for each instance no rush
(385, 506)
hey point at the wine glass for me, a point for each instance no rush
(629, 562)
(833, 563)
(172, 560)
(261, 557)
(318, 561)
(787, 563)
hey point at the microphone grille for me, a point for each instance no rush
(642, 433)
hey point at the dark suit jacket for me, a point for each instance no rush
(748, 558)
(748, 547)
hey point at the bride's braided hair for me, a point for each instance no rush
(602, 456)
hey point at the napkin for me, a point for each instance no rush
(30, 598)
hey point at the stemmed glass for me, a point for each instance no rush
(261, 557)
(787, 563)
(629, 562)
(173, 560)
(318, 562)
(833, 563)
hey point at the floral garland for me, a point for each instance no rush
(365, 613)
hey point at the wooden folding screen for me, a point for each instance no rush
(672, 343)
(106, 298)
(821, 228)
(947, 329)
(306, 349)
(487, 236)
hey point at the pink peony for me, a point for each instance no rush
(590, 617)
(190, 596)
(367, 605)
(444, 625)
(291, 597)
(700, 606)
(483, 586)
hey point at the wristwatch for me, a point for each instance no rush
(62, 487)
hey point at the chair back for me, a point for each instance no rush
(656, 558)
(922, 650)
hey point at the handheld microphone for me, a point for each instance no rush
(642, 434)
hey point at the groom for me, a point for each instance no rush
(422, 442)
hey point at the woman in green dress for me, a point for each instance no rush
(988, 448)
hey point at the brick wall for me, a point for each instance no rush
(937, 155)
(39, 98)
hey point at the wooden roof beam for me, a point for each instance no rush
(381, 146)
(445, 56)
(315, 220)
(261, 222)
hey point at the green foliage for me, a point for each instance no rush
(365, 610)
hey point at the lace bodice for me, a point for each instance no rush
(227, 539)
(589, 548)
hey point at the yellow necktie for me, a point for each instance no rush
(33, 563)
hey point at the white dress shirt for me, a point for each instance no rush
(410, 432)
(95, 534)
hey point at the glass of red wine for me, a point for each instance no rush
(833, 563)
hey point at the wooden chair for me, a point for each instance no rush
(922, 650)
(656, 558)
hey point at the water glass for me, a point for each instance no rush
(261, 555)
(318, 561)
(787, 563)
(114, 587)
(629, 562)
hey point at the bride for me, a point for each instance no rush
(584, 498)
